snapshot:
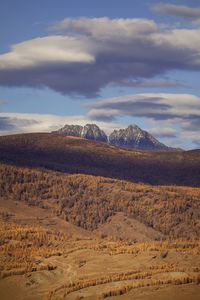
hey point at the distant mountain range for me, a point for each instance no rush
(130, 137)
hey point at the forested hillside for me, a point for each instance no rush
(88, 201)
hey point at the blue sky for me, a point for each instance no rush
(107, 62)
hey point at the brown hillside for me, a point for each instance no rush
(38, 263)
(75, 155)
(88, 201)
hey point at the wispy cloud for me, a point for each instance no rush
(156, 106)
(186, 12)
(192, 136)
(11, 123)
(3, 102)
(151, 83)
(166, 132)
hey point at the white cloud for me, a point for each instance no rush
(105, 28)
(89, 54)
(52, 49)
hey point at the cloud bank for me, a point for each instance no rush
(85, 55)
(156, 106)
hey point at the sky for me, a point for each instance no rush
(108, 62)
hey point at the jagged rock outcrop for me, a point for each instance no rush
(135, 137)
(70, 130)
(93, 132)
(89, 131)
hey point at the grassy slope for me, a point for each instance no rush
(75, 155)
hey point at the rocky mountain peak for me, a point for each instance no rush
(134, 127)
(134, 137)
(70, 130)
(89, 131)
(93, 132)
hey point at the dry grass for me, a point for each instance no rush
(140, 279)
(127, 288)
(24, 247)
(33, 249)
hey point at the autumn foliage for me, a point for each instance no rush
(88, 201)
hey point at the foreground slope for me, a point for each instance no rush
(44, 264)
(44, 256)
(77, 155)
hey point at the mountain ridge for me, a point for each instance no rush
(132, 137)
